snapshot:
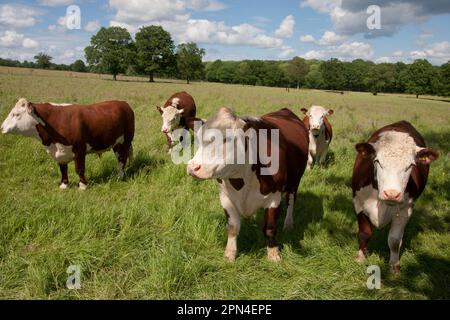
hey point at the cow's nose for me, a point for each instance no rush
(165, 131)
(392, 195)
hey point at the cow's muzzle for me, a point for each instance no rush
(193, 169)
(393, 197)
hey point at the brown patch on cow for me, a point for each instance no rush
(293, 151)
(365, 232)
(306, 122)
(99, 125)
(270, 226)
(328, 130)
(363, 171)
(237, 184)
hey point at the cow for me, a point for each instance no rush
(320, 133)
(390, 173)
(178, 112)
(69, 132)
(245, 187)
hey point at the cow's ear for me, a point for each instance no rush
(30, 108)
(330, 112)
(159, 109)
(304, 110)
(366, 150)
(427, 156)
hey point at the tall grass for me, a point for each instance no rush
(161, 235)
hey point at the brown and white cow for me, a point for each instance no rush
(320, 133)
(247, 186)
(69, 132)
(178, 112)
(390, 172)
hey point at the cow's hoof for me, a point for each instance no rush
(230, 256)
(273, 254)
(82, 186)
(63, 186)
(361, 257)
(395, 268)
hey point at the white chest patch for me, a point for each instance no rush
(60, 153)
(249, 199)
(380, 214)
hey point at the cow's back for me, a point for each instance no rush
(296, 140)
(364, 173)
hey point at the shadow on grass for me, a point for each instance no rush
(142, 163)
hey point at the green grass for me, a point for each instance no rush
(161, 235)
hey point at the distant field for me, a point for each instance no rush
(161, 235)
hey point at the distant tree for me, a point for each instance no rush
(297, 71)
(111, 50)
(155, 49)
(78, 66)
(189, 61)
(333, 72)
(445, 79)
(314, 78)
(420, 78)
(43, 60)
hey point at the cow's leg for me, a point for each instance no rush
(310, 161)
(270, 232)
(396, 237)
(122, 153)
(365, 233)
(169, 142)
(80, 158)
(323, 156)
(290, 202)
(64, 176)
(234, 226)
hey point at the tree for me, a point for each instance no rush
(333, 72)
(314, 78)
(420, 78)
(155, 49)
(445, 79)
(43, 60)
(78, 66)
(297, 71)
(189, 61)
(111, 50)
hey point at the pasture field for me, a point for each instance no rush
(161, 235)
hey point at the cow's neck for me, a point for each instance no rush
(46, 131)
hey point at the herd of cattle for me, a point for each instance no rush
(390, 171)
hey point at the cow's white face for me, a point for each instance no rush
(394, 156)
(21, 120)
(316, 117)
(215, 156)
(171, 118)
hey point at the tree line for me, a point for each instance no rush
(153, 53)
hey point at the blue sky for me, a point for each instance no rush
(237, 29)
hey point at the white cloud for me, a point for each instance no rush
(350, 17)
(17, 16)
(313, 54)
(10, 38)
(206, 5)
(330, 38)
(347, 51)
(55, 3)
(30, 43)
(398, 53)
(92, 26)
(286, 52)
(173, 16)
(436, 53)
(307, 38)
(286, 29)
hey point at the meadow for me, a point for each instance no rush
(161, 235)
